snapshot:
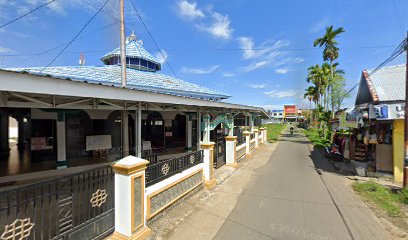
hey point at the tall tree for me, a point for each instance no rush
(331, 51)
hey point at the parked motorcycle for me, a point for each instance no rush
(333, 152)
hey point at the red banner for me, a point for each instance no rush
(290, 109)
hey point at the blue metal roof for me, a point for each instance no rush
(134, 49)
(136, 79)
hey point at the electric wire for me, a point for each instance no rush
(76, 36)
(151, 36)
(49, 50)
(397, 52)
(26, 14)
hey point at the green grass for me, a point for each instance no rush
(383, 197)
(274, 130)
(314, 136)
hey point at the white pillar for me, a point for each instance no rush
(189, 130)
(256, 138)
(231, 150)
(248, 142)
(61, 141)
(231, 130)
(125, 133)
(208, 166)
(199, 130)
(262, 133)
(251, 124)
(206, 128)
(138, 131)
(130, 183)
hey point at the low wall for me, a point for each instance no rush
(241, 150)
(252, 144)
(163, 194)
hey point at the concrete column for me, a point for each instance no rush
(61, 142)
(246, 122)
(198, 130)
(21, 137)
(4, 133)
(262, 132)
(189, 131)
(231, 151)
(265, 135)
(206, 128)
(138, 131)
(231, 130)
(256, 138)
(130, 199)
(251, 124)
(208, 166)
(125, 133)
(248, 142)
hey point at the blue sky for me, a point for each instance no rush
(256, 51)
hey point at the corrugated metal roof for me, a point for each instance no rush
(389, 83)
(134, 49)
(136, 79)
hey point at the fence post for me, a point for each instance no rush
(265, 133)
(248, 142)
(262, 132)
(208, 166)
(130, 217)
(231, 151)
(256, 131)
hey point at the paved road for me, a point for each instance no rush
(297, 195)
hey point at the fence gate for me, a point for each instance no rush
(76, 206)
(219, 152)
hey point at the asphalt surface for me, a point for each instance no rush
(298, 195)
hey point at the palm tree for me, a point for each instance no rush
(331, 51)
(312, 95)
(318, 76)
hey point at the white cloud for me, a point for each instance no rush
(282, 94)
(5, 50)
(161, 57)
(268, 54)
(189, 10)
(255, 66)
(320, 25)
(272, 107)
(282, 70)
(228, 74)
(219, 28)
(257, 86)
(208, 70)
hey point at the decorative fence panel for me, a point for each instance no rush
(167, 168)
(76, 206)
(241, 140)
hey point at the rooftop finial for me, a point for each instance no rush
(132, 36)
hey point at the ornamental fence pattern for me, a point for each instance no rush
(167, 168)
(75, 206)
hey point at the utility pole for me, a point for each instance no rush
(405, 172)
(122, 42)
(124, 122)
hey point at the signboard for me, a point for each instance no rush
(289, 110)
(98, 142)
(387, 111)
(41, 143)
